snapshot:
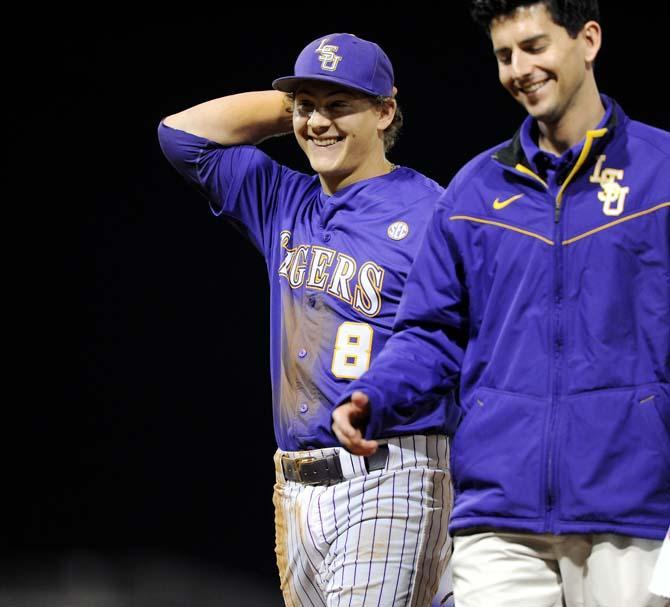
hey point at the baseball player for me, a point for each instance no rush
(350, 530)
(542, 289)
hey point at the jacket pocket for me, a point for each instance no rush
(615, 456)
(498, 454)
(655, 409)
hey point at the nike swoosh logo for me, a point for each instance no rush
(501, 204)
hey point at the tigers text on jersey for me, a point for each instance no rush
(337, 266)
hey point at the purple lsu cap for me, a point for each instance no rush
(342, 59)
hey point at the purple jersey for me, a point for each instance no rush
(337, 267)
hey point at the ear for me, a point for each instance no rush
(592, 36)
(386, 113)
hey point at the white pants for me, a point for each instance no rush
(531, 570)
(377, 538)
(660, 581)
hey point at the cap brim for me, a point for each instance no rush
(288, 84)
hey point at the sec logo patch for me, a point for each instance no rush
(398, 230)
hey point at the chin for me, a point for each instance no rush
(541, 112)
(326, 164)
(322, 168)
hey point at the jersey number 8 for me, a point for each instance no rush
(353, 347)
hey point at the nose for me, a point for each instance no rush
(317, 119)
(521, 64)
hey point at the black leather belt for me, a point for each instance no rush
(327, 470)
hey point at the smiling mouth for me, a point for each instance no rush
(529, 89)
(325, 142)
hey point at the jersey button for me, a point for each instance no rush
(302, 353)
(303, 408)
(326, 237)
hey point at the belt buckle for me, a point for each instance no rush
(303, 460)
(292, 467)
(299, 463)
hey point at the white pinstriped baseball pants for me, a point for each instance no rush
(375, 539)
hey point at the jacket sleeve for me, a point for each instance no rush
(240, 182)
(423, 357)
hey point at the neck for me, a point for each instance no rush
(584, 113)
(333, 183)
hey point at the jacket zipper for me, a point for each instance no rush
(558, 341)
(556, 366)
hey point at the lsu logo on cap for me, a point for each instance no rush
(327, 56)
(398, 230)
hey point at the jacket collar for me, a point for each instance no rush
(513, 153)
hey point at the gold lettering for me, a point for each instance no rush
(342, 275)
(367, 298)
(297, 270)
(321, 259)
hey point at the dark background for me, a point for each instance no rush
(139, 373)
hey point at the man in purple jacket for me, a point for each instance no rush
(542, 291)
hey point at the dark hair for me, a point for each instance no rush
(570, 14)
(391, 132)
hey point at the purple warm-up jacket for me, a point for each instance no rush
(545, 301)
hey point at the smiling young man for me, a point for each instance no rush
(542, 290)
(350, 530)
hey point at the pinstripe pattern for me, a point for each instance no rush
(377, 538)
